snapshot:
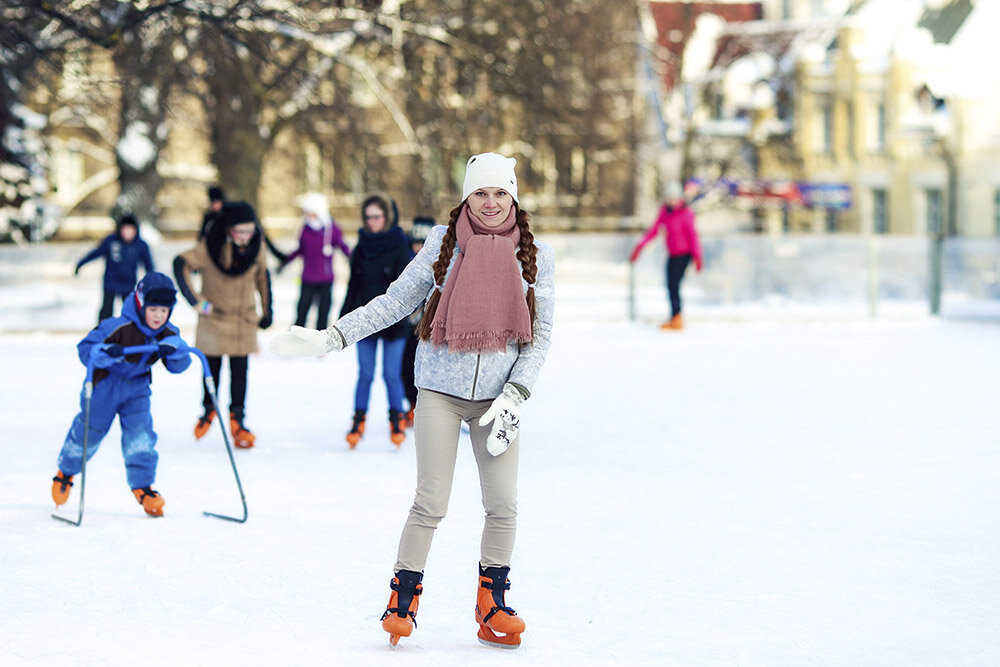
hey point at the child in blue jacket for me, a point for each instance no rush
(121, 387)
(123, 252)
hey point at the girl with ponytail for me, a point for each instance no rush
(486, 328)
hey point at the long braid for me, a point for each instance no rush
(526, 253)
(440, 271)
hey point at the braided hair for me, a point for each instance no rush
(526, 253)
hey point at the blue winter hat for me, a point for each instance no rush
(155, 289)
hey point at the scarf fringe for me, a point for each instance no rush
(479, 341)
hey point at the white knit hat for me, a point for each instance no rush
(489, 170)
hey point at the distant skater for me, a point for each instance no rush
(123, 251)
(676, 219)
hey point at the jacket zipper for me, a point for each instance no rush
(475, 378)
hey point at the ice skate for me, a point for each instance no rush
(675, 323)
(150, 500)
(499, 625)
(397, 427)
(400, 615)
(242, 437)
(60, 487)
(409, 418)
(204, 423)
(357, 429)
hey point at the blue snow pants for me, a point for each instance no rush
(129, 399)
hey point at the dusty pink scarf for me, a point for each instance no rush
(482, 304)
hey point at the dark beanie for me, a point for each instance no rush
(422, 226)
(215, 194)
(128, 219)
(235, 212)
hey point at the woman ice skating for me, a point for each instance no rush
(379, 258)
(483, 339)
(677, 221)
(234, 276)
(319, 237)
(121, 386)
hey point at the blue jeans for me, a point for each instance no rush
(129, 399)
(392, 366)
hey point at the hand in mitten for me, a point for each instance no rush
(698, 264)
(634, 256)
(302, 342)
(169, 346)
(505, 413)
(265, 321)
(107, 355)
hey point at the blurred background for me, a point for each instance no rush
(841, 150)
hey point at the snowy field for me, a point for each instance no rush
(752, 491)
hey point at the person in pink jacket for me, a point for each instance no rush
(677, 220)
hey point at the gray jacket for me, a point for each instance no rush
(468, 375)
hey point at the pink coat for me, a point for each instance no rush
(682, 239)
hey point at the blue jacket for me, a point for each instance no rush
(128, 330)
(121, 262)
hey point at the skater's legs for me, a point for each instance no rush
(498, 483)
(367, 348)
(215, 367)
(675, 273)
(238, 385)
(436, 432)
(107, 305)
(138, 438)
(324, 293)
(102, 412)
(305, 303)
(392, 365)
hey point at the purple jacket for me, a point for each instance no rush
(317, 265)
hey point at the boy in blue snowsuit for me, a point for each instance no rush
(122, 251)
(121, 387)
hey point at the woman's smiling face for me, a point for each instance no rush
(490, 206)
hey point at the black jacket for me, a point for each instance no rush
(377, 260)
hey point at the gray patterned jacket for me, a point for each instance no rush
(468, 375)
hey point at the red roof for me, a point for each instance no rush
(675, 22)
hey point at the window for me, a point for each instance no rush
(880, 211)
(880, 129)
(934, 210)
(830, 219)
(826, 138)
(996, 212)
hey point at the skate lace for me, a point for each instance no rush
(64, 482)
(499, 606)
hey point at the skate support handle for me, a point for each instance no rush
(88, 391)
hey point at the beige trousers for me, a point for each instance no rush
(436, 429)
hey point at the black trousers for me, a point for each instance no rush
(108, 305)
(409, 357)
(237, 384)
(676, 266)
(322, 294)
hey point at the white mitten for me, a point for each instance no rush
(301, 342)
(505, 413)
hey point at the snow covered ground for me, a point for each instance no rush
(751, 491)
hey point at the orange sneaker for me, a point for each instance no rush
(242, 437)
(60, 487)
(150, 500)
(409, 419)
(400, 615)
(204, 423)
(357, 429)
(499, 625)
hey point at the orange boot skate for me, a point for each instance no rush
(60, 487)
(242, 437)
(357, 429)
(204, 423)
(397, 427)
(400, 615)
(150, 500)
(675, 323)
(499, 625)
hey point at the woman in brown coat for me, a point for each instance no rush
(233, 274)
